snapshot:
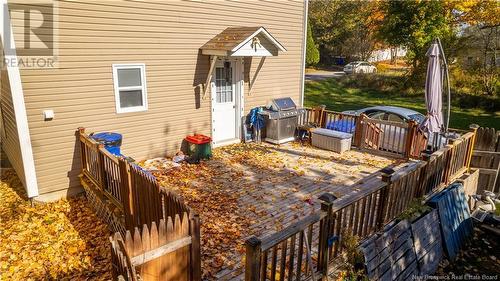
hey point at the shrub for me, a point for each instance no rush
(312, 52)
(382, 67)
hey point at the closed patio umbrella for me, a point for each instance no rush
(433, 91)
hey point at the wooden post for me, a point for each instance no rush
(470, 149)
(358, 131)
(410, 138)
(426, 155)
(449, 160)
(127, 195)
(421, 188)
(384, 197)
(195, 262)
(253, 255)
(81, 132)
(327, 200)
(324, 114)
(100, 164)
(213, 60)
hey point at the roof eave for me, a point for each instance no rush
(267, 34)
(214, 52)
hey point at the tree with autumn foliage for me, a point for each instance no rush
(344, 28)
(475, 12)
(462, 26)
(414, 24)
(482, 37)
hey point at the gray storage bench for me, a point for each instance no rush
(331, 140)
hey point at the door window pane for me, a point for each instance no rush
(223, 85)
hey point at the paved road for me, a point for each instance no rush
(320, 75)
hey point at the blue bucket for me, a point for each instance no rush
(111, 141)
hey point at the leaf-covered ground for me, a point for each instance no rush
(63, 240)
(479, 258)
(250, 189)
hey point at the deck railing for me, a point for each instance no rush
(389, 138)
(101, 168)
(486, 159)
(129, 188)
(361, 213)
(137, 196)
(346, 121)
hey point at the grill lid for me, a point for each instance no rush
(283, 104)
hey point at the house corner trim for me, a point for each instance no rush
(21, 117)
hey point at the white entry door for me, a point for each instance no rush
(225, 102)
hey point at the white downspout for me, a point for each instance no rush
(16, 90)
(304, 42)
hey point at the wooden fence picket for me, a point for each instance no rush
(156, 253)
(486, 159)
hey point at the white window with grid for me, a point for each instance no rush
(223, 85)
(130, 87)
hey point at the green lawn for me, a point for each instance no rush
(339, 94)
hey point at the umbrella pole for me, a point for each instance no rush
(448, 108)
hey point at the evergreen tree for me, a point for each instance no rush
(312, 52)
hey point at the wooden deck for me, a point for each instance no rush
(258, 189)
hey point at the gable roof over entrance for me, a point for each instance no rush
(243, 41)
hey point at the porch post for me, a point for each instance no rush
(83, 153)
(358, 131)
(470, 149)
(325, 229)
(383, 209)
(410, 138)
(127, 196)
(253, 255)
(195, 266)
(422, 182)
(102, 170)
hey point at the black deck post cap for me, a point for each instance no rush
(328, 197)
(388, 170)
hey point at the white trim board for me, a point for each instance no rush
(266, 33)
(226, 142)
(304, 43)
(17, 93)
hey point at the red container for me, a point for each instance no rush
(198, 139)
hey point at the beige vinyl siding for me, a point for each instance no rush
(166, 37)
(9, 135)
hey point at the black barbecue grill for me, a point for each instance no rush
(281, 117)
